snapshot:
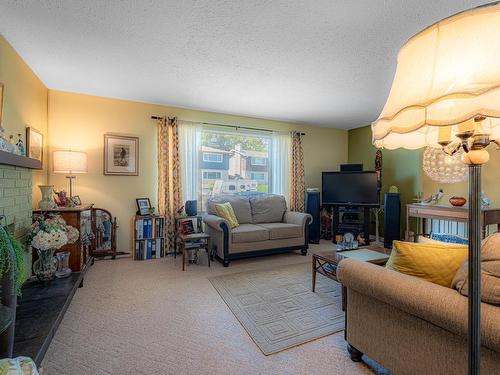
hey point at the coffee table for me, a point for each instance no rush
(326, 262)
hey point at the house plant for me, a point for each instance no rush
(48, 234)
(11, 248)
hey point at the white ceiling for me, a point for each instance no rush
(323, 62)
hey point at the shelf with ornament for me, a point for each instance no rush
(12, 153)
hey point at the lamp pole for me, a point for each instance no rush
(474, 336)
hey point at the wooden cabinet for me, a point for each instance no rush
(79, 217)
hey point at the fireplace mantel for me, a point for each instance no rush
(19, 161)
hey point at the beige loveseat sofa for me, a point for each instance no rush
(265, 227)
(412, 326)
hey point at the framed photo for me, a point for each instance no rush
(34, 144)
(143, 206)
(186, 227)
(121, 155)
(76, 200)
(1, 102)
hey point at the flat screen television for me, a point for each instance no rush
(350, 189)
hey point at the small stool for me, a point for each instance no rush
(204, 243)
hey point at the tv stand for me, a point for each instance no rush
(354, 226)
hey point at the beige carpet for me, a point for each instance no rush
(151, 318)
(277, 307)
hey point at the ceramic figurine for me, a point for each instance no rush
(3, 141)
(12, 145)
(20, 145)
(434, 198)
(485, 201)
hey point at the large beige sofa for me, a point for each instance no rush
(412, 326)
(265, 227)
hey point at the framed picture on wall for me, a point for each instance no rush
(121, 155)
(1, 102)
(34, 144)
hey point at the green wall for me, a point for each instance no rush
(401, 168)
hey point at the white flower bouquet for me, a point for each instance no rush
(51, 233)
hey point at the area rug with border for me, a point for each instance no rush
(277, 307)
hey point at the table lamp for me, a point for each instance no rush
(70, 163)
(446, 94)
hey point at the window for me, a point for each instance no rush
(236, 153)
(219, 161)
(259, 176)
(211, 175)
(256, 160)
(212, 157)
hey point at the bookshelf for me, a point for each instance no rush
(148, 240)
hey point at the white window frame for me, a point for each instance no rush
(253, 160)
(263, 174)
(220, 157)
(208, 178)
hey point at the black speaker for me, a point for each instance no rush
(191, 208)
(313, 206)
(392, 218)
(351, 167)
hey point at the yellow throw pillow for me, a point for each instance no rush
(433, 262)
(225, 211)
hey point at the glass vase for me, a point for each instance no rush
(45, 266)
(63, 269)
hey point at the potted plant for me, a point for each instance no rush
(47, 235)
(11, 259)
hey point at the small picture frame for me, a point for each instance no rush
(34, 144)
(121, 155)
(76, 200)
(143, 206)
(186, 227)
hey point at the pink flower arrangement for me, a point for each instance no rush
(51, 233)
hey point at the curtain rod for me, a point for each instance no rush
(227, 126)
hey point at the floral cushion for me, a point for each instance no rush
(18, 366)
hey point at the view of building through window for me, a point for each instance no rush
(232, 163)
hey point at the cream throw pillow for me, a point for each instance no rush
(490, 272)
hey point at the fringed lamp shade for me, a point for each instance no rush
(447, 75)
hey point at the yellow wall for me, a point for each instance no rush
(25, 103)
(79, 122)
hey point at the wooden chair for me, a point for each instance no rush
(104, 229)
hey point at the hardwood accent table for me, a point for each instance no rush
(80, 218)
(326, 262)
(489, 216)
(186, 243)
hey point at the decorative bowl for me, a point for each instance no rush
(458, 201)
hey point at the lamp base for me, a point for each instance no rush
(474, 336)
(71, 178)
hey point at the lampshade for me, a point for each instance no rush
(446, 75)
(69, 162)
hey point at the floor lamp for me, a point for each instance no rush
(446, 93)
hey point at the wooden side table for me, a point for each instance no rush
(203, 240)
(79, 217)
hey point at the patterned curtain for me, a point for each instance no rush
(297, 186)
(169, 177)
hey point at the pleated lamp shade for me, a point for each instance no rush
(447, 75)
